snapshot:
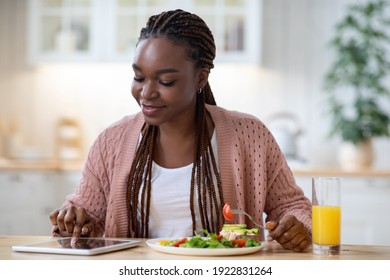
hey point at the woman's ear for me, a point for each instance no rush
(203, 77)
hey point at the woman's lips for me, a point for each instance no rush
(150, 111)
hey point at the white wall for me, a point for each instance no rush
(294, 60)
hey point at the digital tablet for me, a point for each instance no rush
(85, 246)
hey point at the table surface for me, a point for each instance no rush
(269, 251)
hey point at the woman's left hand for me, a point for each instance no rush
(290, 233)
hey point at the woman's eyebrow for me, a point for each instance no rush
(161, 71)
(167, 70)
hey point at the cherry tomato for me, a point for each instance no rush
(227, 212)
(239, 242)
(179, 242)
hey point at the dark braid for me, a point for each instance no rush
(190, 31)
(142, 162)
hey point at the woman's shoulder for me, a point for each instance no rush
(122, 127)
(234, 118)
(117, 141)
(125, 121)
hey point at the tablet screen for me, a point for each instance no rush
(86, 243)
(85, 246)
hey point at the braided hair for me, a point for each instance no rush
(190, 31)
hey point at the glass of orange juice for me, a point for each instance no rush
(326, 215)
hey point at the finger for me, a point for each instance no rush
(271, 225)
(279, 230)
(79, 222)
(87, 229)
(289, 221)
(69, 219)
(53, 217)
(55, 231)
(286, 224)
(60, 219)
(296, 233)
(293, 234)
(82, 218)
(63, 234)
(302, 246)
(298, 244)
(291, 239)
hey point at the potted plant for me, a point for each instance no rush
(355, 82)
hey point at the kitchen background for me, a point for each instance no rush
(53, 105)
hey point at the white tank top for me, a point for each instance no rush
(170, 214)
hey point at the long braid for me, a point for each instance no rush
(196, 174)
(142, 162)
(188, 30)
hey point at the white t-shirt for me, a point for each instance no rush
(170, 214)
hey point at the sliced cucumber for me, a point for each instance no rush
(233, 226)
(253, 230)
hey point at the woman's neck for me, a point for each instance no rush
(175, 146)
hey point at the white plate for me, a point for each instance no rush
(153, 243)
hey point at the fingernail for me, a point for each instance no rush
(84, 230)
(269, 239)
(73, 240)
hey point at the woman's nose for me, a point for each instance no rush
(149, 91)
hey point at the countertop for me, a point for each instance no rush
(269, 251)
(337, 172)
(40, 165)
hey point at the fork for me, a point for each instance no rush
(238, 211)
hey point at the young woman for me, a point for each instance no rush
(168, 170)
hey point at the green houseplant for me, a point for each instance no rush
(355, 82)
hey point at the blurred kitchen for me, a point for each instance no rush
(65, 75)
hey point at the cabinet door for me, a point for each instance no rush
(28, 198)
(19, 208)
(63, 30)
(236, 25)
(108, 30)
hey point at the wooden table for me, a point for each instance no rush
(270, 251)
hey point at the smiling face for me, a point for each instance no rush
(165, 82)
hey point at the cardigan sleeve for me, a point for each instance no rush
(90, 193)
(284, 197)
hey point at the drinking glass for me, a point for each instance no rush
(326, 215)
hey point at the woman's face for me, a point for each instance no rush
(165, 82)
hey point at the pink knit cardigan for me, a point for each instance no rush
(254, 172)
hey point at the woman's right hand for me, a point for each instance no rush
(71, 222)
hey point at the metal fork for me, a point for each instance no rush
(238, 211)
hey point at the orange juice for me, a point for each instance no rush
(326, 222)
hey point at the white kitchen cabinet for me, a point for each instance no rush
(365, 204)
(63, 30)
(107, 30)
(28, 197)
(236, 25)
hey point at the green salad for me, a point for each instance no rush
(211, 241)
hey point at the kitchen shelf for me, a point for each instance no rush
(336, 172)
